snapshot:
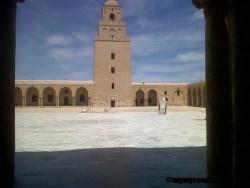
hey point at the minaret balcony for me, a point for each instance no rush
(112, 23)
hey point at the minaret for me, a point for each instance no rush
(112, 57)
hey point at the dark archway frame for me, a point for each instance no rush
(227, 42)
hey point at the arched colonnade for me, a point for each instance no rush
(50, 96)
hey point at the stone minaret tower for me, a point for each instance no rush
(112, 57)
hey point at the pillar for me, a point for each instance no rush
(89, 101)
(7, 81)
(189, 101)
(57, 101)
(73, 101)
(201, 105)
(24, 101)
(240, 39)
(204, 97)
(40, 101)
(192, 95)
(145, 101)
(197, 98)
(218, 87)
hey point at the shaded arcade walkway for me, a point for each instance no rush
(107, 168)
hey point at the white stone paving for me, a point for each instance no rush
(67, 131)
(109, 150)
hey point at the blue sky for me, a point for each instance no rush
(55, 39)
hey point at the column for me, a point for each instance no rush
(89, 101)
(197, 98)
(219, 112)
(40, 101)
(145, 102)
(239, 27)
(204, 97)
(24, 101)
(57, 101)
(192, 99)
(202, 104)
(73, 101)
(7, 81)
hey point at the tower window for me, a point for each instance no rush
(165, 92)
(113, 103)
(112, 70)
(113, 85)
(112, 16)
(112, 55)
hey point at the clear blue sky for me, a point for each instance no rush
(55, 39)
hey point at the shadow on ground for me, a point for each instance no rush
(110, 168)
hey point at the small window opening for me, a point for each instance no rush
(113, 103)
(112, 16)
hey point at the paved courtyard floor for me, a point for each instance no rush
(68, 149)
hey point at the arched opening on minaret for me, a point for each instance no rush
(112, 16)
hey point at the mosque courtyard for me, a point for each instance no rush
(66, 148)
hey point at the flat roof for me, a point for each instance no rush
(148, 83)
(57, 82)
(75, 82)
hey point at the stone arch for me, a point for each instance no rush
(199, 97)
(189, 97)
(49, 97)
(65, 97)
(152, 98)
(140, 98)
(194, 97)
(18, 97)
(32, 97)
(82, 97)
(178, 97)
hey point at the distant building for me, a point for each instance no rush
(112, 84)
